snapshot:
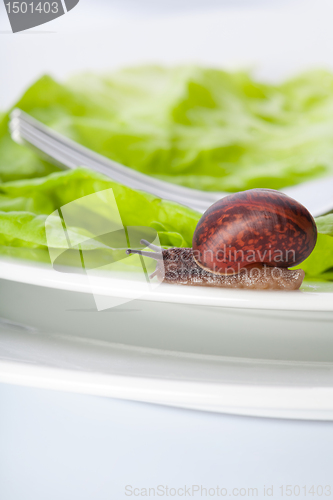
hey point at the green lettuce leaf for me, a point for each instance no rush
(25, 205)
(203, 128)
(325, 224)
(22, 231)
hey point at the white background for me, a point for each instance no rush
(275, 38)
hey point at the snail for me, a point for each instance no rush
(246, 240)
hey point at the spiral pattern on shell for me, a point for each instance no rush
(255, 226)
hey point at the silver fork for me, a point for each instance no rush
(316, 195)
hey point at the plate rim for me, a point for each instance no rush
(257, 401)
(298, 300)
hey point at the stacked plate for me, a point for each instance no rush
(246, 352)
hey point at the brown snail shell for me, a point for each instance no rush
(255, 226)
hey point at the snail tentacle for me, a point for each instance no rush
(151, 245)
(152, 255)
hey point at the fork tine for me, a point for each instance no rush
(316, 195)
(65, 151)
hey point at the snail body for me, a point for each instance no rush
(179, 267)
(245, 240)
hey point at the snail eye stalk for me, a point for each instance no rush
(150, 245)
(152, 255)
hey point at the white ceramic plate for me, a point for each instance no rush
(236, 351)
(313, 296)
